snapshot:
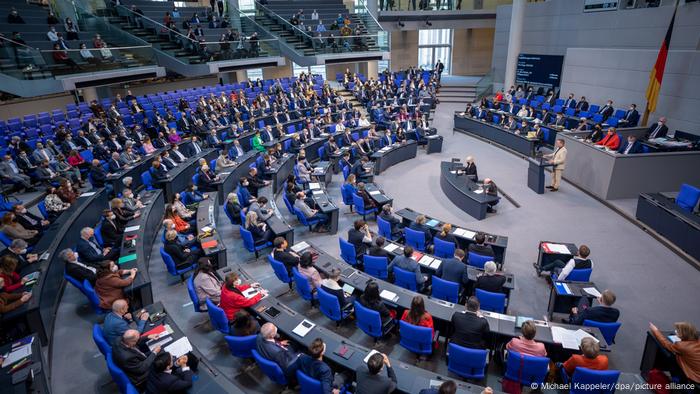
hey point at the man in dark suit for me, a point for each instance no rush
(98, 174)
(279, 352)
(479, 246)
(29, 220)
(582, 104)
(68, 145)
(469, 328)
(284, 255)
(454, 269)
(658, 130)
(135, 363)
(91, 252)
(158, 172)
(386, 214)
(314, 366)
(111, 230)
(194, 148)
(631, 117)
(178, 156)
(18, 250)
(377, 249)
(362, 171)
(168, 378)
(114, 163)
(183, 124)
(371, 380)
(607, 110)
(630, 146)
(360, 236)
(236, 150)
(603, 313)
(77, 269)
(570, 102)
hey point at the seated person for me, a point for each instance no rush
(233, 207)
(454, 269)
(360, 237)
(469, 328)
(255, 181)
(362, 170)
(11, 301)
(135, 363)
(247, 197)
(631, 146)
(580, 261)
(491, 189)
(8, 272)
(370, 299)
(388, 215)
(603, 313)
(111, 231)
(244, 324)
(313, 366)
(378, 249)
(525, 344)
(207, 283)
(686, 350)
(417, 315)
(445, 235)
(479, 246)
(590, 357)
(303, 171)
(261, 233)
(490, 280)
(194, 196)
(207, 178)
(332, 285)
(168, 376)
(407, 263)
(449, 387)
(181, 208)
(366, 198)
(182, 256)
(110, 284)
(284, 254)
(307, 270)
(77, 269)
(301, 204)
(14, 230)
(278, 351)
(91, 252)
(29, 220)
(611, 140)
(119, 320)
(181, 225)
(370, 378)
(419, 225)
(232, 298)
(259, 209)
(123, 215)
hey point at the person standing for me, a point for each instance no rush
(558, 158)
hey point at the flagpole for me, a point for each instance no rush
(645, 118)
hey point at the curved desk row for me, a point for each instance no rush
(137, 243)
(231, 175)
(181, 176)
(519, 143)
(207, 223)
(466, 194)
(393, 154)
(325, 204)
(502, 326)
(280, 170)
(465, 236)
(276, 223)
(410, 379)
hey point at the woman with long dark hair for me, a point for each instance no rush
(417, 315)
(371, 299)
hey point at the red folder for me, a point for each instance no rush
(155, 331)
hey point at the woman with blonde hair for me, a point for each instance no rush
(686, 349)
(259, 230)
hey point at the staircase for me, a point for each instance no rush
(457, 89)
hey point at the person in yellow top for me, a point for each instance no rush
(686, 349)
(257, 143)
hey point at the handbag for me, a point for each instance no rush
(511, 386)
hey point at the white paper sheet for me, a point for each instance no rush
(558, 248)
(314, 186)
(388, 295)
(133, 228)
(465, 233)
(20, 353)
(435, 264)
(375, 192)
(391, 247)
(87, 194)
(303, 328)
(567, 338)
(371, 352)
(592, 291)
(300, 246)
(179, 348)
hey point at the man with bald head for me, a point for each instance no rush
(275, 350)
(135, 363)
(119, 320)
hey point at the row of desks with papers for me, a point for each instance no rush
(393, 154)
(341, 352)
(464, 192)
(207, 233)
(280, 171)
(465, 237)
(22, 367)
(181, 176)
(230, 176)
(139, 235)
(519, 143)
(325, 204)
(276, 223)
(39, 313)
(502, 326)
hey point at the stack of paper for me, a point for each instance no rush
(371, 352)
(179, 348)
(435, 264)
(303, 328)
(592, 291)
(569, 339)
(555, 248)
(17, 355)
(391, 247)
(389, 296)
(300, 246)
(425, 260)
(464, 233)
(131, 228)
(314, 186)
(375, 192)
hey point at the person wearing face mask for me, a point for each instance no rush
(181, 209)
(111, 230)
(232, 298)
(631, 117)
(13, 229)
(131, 203)
(110, 285)
(657, 130)
(607, 110)
(193, 195)
(181, 225)
(18, 250)
(207, 178)
(29, 220)
(12, 301)
(77, 269)
(91, 252)
(123, 215)
(246, 198)
(182, 256)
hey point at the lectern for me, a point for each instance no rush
(535, 174)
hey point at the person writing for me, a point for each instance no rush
(558, 158)
(232, 298)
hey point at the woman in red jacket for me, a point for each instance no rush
(12, 280)
(232, 298)
(611, 140)
(417, 314)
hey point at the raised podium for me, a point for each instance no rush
(535, 174)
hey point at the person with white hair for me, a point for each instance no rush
(90, 250)
(119, 320)
(276, 350)
(490, 280)
(135, 363)
(77, 269)
(470, 168)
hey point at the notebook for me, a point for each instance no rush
(303, 328)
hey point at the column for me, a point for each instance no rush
(89, 94)
(514, 41)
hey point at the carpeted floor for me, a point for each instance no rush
(651, 283)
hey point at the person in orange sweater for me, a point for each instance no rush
(591, 357)
(611, 140)
(417, 314)
(232, 298)
(686, 350)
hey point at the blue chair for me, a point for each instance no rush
(527, 370)
(346, 172)
(7, 241)
(403, 278)
(330, 306)
(308, 384)
(609, 330)
(494, 302)
(42, 208)
(347, 252)
(580, 275)
(99, 338)
(369, 321)
(195, 179)
(270, 368)
(415, 239)
(217, 316)
(119, 377)
(416, 339)
(477, 260)
(688, 197)
(147, 180)
(288, 204)
(384, 228)
(280, 271)
(229, 215)
(74, 282)
(443, 249)
(93, 298)
(193, 294)
(250, 244)
(585, 378)
(171, 266)
(303, 286)
(376, 266)
(466, 362)
(445, 290)
(359, 204)
(347, 194)
(304, 220)
(98, 234)
(241, 347)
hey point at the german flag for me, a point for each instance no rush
(657, 73)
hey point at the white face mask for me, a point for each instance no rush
(237, 282)
(75, 254)
(114, 268)
(23, 251)
(112, 217)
